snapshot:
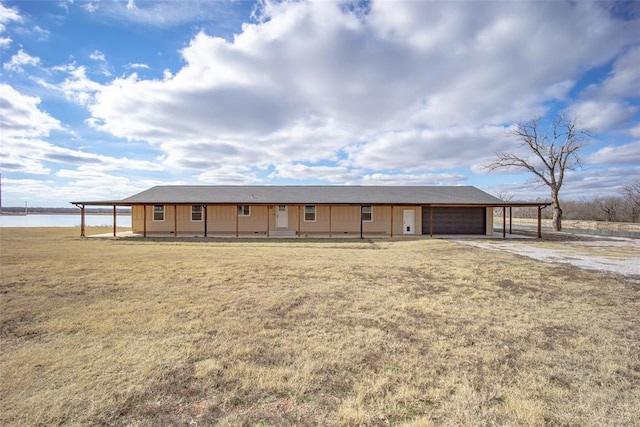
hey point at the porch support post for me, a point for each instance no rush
(82, 234)
(268, 218)
(204, 212)
(237, 221)
(504, 222)
(175, 220)
(144, 220)
(330, 214)
(298, 231)
(430, 221)
(510, 219)
(391, 220)
(361, 221)
(114, 221)
(539, 222)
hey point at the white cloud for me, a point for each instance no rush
(138, 66)
(96, 55)
(429, 149)
(604, 105)
(21, 116)
(90, 6)
(77, 86)
(41, 33)
(334, 174)
(624, 79)
(408, 85)
(81, 185)
(229, 176)
(24, 146)
(7, 15)
(163, 13)
(19, 60)
(620, 155)
(400, 93)
(602, 114)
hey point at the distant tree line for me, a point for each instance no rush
(623, 207)
(12, 210)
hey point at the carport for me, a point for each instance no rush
(471, 219)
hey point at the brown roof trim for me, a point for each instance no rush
(439, 205)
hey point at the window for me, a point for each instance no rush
(196, 213)
(244, 210)
(158, 213)
(367, 213)
(309, 213)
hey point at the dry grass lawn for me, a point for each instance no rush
(297, 332)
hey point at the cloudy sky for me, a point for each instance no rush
(102, 99)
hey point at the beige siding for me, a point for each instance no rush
(345, 220)
(165, 226)
(255, 223)
(185, 224)
(136, 219)
(381, 223)
(221, 219)
(183, 214)
(337, 220)
(292, 218)
(489, 221)
(398, 212)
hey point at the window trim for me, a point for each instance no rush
(315, 213)
(158, 212)
(362, 212)
(241, 212)
(201, 212)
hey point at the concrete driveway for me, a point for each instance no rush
(618, 255)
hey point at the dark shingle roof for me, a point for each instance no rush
(230, 194)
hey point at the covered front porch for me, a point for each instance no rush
(233, 228)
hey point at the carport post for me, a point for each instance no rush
(430, 221)
(539, 222)
(504, 222)
(510, 219)
(81, 220)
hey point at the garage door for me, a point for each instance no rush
(454, 220)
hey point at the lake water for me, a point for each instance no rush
(36, 220)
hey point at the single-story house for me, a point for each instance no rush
(302, 211)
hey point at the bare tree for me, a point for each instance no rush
(631, 194)
(609, 206)
(549, 154)
(503, 195)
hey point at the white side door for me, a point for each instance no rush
(408, 221)
(282, 217)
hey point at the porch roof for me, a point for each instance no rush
(345, 195)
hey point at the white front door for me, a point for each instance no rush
(408, 221)
(282, 217)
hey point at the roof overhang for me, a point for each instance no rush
(440, 205)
